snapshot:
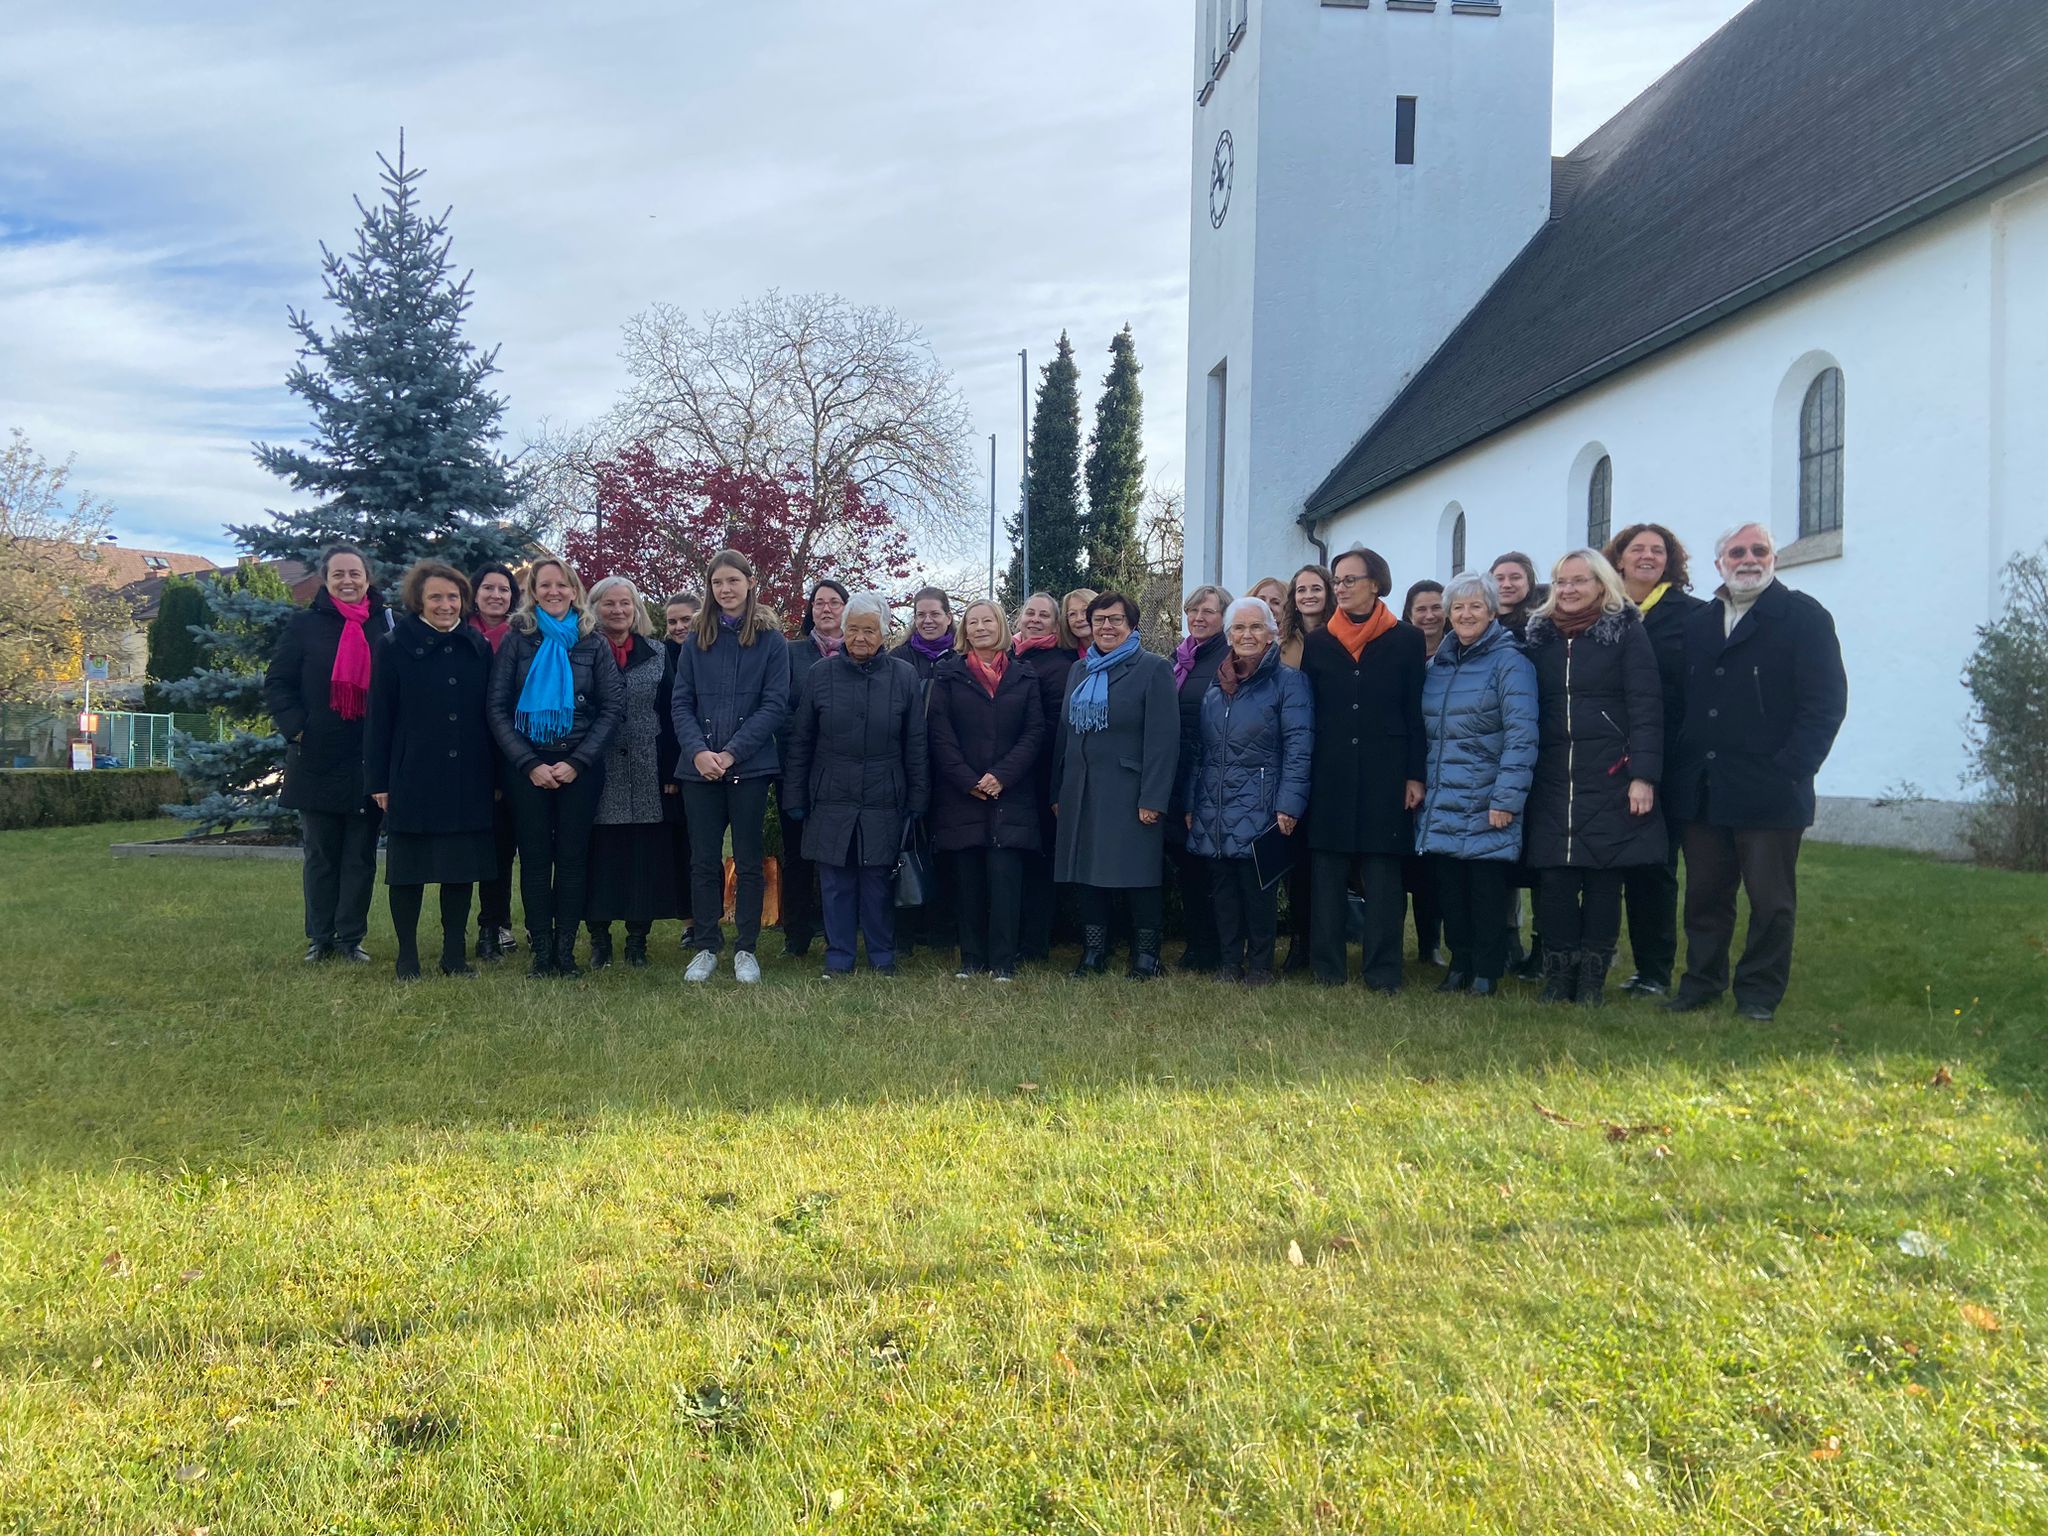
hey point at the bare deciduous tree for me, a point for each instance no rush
(839, 392)
(55, 605)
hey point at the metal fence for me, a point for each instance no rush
(40, 739)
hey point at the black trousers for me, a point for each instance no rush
(554, 847)
(679, 848)
(1579, 908)
(340, 870)
(1247, 918)
(989, 883)
(1764, 862)
(1192, 873)
(1469, 894)
(1379, 883)
(799, 885)
(1040, 904)
(1146, 904)
(494, 896)
(1419, 878)
(1649, 895)
(405, 921)
(713, 806)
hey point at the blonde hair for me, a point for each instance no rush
(1002, 622)
(704, 628)
(1067, 637)
(579, 600)
(1613, 596)
(643, 626)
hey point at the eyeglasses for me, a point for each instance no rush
(1738, 551)
(1352, 581)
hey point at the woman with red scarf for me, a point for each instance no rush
(1044, 649)
(317, 690)
(986, 724)
(494, 593)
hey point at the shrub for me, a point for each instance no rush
(2008, 680)
(57, 797)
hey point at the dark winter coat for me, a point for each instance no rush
(732, 698)
(1251, 760)
(858, 760)
(921, 664)
(972, 734)
(1665, 624)
(428, 739)
(1104, 777)
(1369, 741)
(1048, 668)
(1479, 706)
(600, 702)
(1601, 725)
(1192, 691)
(642, 760)
(1762, 708)
(803, 655)
(323, 753)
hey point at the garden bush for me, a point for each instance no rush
(58, 797)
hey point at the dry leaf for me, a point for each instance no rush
(234, 1423)
(1915, 1389)
(1294, 1254)
(1553, 1116)
(1027, 1087)
(1828, 1450)
(1631, 1132)
(1980, 1317)
(1660, 1150)
(115, 1263)
(1343, 1243)
(1066, 1362)
(1942, 1078)
(190, 1276)
(323, 1386)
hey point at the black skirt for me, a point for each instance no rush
(440, 858)
(632, 874)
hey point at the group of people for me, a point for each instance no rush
(1495, 735)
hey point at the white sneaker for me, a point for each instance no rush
(703, 967)
(746, 970)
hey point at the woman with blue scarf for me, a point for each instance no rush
(1113, 771)
(556, 702)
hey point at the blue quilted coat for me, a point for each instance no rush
(1479, 708)
(1253, 759)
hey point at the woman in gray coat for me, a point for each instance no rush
(858, 770)
(1113, 769)
(632, 858)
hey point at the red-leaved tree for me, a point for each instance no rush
(659, 525)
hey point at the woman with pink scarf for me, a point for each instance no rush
(317, 690)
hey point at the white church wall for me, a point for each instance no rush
(1940, 353)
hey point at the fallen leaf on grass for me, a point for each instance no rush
(1066, 1362)
(1981, 1317)
(1942, 1078)
(1631, 1132)
(1027, 1087)
(234, 1423)
(191, 1276)
(1916, 1389)
(1828, 1450)
(1294, 1254)
(323, 1386)
(1552, 1115)
(1343, 1242)
(116, 1264)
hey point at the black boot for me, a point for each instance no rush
(1297, 956)
(540, 944)
(600, 946)
(636, 950)
(487, 946)
(1560, 975)
(1144, 955)
(408, 967)
(565, 953)
(453, 961)
(1531, 966)
(1454, 981)
(1592, 976)
(1094, 950)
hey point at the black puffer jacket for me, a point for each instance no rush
(858, 762)
(1048, 667)
(1600, 713)
(1209, 655)
(428, 745)
(323, 754)
(972, 734)
(600, 701)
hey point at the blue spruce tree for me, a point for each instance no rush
(402, 461)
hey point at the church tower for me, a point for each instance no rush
(1363, 172)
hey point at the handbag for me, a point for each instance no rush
(915, 881)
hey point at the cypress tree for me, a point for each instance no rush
(175, 651)
(1054, 483)
(1116, 468)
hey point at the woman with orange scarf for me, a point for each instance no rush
(1365, 667)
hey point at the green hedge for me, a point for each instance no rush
(58, 797)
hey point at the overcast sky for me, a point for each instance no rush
(994, 172)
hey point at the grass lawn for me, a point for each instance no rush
(298, 1250)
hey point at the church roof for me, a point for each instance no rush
(1800, 133)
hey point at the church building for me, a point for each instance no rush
(1801, 280)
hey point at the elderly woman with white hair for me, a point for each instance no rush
(1479, 708)
(632, 856)
(858, 774)
(1249, 775)
(1599, 758)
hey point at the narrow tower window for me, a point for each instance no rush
(1600, 504)
(1404, 130)
(1216, 466)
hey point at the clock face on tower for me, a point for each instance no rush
(1221, 168)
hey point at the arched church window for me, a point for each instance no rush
(1458, 546)
(1600, 504)
(1820, 455)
